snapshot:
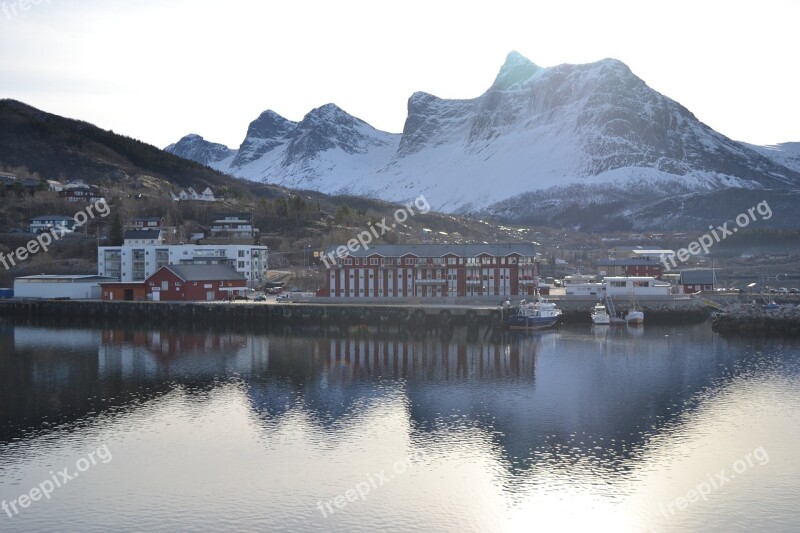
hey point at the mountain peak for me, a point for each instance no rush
(516, 69)
(328, 112)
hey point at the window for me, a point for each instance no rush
(373, 261)
(348, 261)
(452, 261)
(618, 284)
(241, 253)
(165, 285)
(409, 261)
(241, 264)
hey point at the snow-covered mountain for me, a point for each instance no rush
(786, 154)
(540, 140)
(196, 148)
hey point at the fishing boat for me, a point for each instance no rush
(599, 315)
(635, 316)
(538, 314)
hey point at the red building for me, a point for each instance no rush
(124, 291)
(433, 270)
(193, 283)
(698, 280)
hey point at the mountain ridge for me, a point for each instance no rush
(535, 132)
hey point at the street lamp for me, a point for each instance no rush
(750, 286)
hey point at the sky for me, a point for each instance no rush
(158, 70)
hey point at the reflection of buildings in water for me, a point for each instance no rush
(65, 374)
(67, 339)
(150, 354)
(432, 359)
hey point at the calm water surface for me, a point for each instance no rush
(580, 429)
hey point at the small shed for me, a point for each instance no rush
(124, 291)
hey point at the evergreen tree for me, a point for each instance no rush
(116, 235)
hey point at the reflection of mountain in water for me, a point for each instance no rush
(575, 388)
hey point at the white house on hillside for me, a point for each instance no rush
(190, 194)
(135, 237)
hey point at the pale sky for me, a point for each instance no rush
(157, 70)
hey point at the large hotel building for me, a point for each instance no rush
(433, 270)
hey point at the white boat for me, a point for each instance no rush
(599, 314)
(635, 316)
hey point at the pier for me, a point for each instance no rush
(258, 314)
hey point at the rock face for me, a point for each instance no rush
(541, 144)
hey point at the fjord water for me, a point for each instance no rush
(578, 429)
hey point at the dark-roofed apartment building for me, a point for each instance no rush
(236, 226)
(193, 283)
(148, 222)
(434, 270)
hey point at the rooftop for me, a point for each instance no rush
(142, 234)
(204, 272)
(64, 278)
(52, 217)
(698, 277)
(440, 250)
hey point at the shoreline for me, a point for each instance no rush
(254, 315)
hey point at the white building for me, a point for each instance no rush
(48, 222)
(190, 194)
(137, 263)
(143, 237)
(72, 287)
(637, 285)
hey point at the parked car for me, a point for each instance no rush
(261, 298)
(783, 290)
(283, 298)
(794, 290)
(239, 297)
